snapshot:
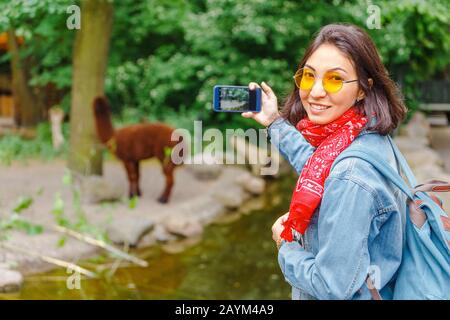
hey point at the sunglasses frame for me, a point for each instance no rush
(323, 85)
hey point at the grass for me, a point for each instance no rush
(14, 147)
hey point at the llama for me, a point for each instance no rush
(137, 142)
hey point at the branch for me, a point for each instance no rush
(51, 260)
(101, 244)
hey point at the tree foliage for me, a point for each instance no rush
(166, 56)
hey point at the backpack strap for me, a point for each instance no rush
(403, 163)
(379, 164)
(387, 171)
(432, 186)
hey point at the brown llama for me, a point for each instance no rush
(137, 142)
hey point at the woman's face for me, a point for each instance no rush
(323, 107)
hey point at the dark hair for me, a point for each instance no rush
(383, 99)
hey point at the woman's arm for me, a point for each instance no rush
(342, 262)
(290, 142)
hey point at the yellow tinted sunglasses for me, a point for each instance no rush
(332, 81)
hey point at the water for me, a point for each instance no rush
(235, 260)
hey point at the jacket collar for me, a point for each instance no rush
(364, 131)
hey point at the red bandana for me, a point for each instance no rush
(330, 139)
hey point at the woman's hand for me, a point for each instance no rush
(269, 105)
(278, 227)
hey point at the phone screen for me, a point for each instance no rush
(236, 99)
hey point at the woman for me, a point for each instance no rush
(345, 222)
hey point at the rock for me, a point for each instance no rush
(407, 144)
(231, 197)
(256, 203)
(95, 189)
(248, 153)
(228, 218)
(254, 185)
(161, 234)
(430, 171)
(181, 245)
(10, 281)
(438, 120)
(183, 227)
(147, 240)
(423, 157)
(417, 128)
(129, 230)
(204, 166)
(204, 210)
(277, 166)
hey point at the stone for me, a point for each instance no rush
(408, 144)
(417, 128)
(423, 157)
(182, 244)
(251, 184)
(161, 234)
(231, 197)
(183, 227)
(95, 189)
(10, 281)
(147, 240)
(277, 166)
(254, 204)
(227, 218)
(248, 153)
(428, 172)
(204, 210)
(129, 230)
(205, 166)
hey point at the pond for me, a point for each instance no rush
(234, 259)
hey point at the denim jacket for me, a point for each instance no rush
(357, 228)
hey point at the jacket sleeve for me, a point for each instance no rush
(342, 262)
(291, 143)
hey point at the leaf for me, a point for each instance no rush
(167, 152)
(61, 241)
(67, 178)
(24, 202)
(132, 202)
(34, 229)
(58, 206)
(29, 228)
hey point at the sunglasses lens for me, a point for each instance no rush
(307, 80)
(332, 82)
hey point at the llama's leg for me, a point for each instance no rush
(136, 164)
(132, 168)
(168, 169)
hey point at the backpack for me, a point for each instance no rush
(424, 272)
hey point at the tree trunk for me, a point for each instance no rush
(90, 55)
(28, 110)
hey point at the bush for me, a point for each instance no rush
(14, 147)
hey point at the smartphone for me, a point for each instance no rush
(236, 99)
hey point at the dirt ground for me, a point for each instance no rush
(192, 201)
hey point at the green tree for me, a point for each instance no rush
(42, 59)
(28, 111)
(90, 57)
